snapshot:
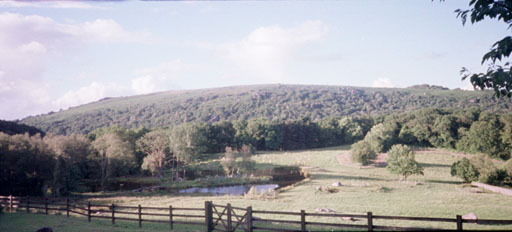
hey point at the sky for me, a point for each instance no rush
(58, 54)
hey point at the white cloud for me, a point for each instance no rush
(47, 4)
(467, 86)
(108, 31)
(266, 50)
(33, 47)
(27, 42)
(383, 83)
(159, 77)
(93, 92)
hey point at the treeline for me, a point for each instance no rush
(11, 128)
(471, 130)
(270, 102)
(58, 164)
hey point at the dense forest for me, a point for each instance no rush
(59, 164)
(271, 102)
(12, 128)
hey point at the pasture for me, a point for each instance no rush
(362, 190)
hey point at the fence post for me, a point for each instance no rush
(230, 223)
(28, 202)
(248, 219)
(10, 203)
(170, 217)
(302, 220)
(46, 206)
(459, 223)
(370, 221)
(140, 216)
(208, 215)
(89, 211)
(67, 207)
(113, 217)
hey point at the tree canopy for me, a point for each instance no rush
(499, 75)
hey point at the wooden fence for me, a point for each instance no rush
(215, 217)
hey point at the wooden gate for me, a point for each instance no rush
(229, 218)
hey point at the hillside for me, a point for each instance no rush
(257, 101)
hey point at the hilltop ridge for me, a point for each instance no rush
(273, 101)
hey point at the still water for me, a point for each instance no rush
(230, 190)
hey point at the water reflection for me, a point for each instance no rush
(230, 190)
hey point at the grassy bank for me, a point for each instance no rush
(436, 194)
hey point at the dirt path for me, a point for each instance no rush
(345, 159)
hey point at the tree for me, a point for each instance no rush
(485, 167)
(401, 161)
(187, 142)
(465, 170)
(498, 77)
(115, 156)
(362, 152)
(26, 165)
(237, 161)
(484, 136)
(155, 145)
(381, 136)
(71, 154)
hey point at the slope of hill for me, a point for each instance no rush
(257, 101)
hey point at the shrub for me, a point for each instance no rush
(362, 152)
(485, 167)
(401, 161)
(465, 170)
(508, 170)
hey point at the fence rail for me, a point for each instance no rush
(223, 217)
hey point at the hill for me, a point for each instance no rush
(257, 101)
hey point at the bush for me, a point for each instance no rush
(508, 167)
(497, 177)
(362, 152)
(465, 170)
(508, 170)
(484, 166)
(401, 161)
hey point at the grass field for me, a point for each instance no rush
(436, 194)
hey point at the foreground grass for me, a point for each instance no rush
(22, 222)
(436, 194)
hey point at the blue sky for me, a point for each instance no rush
(54, 55)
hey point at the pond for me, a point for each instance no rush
(230, 190)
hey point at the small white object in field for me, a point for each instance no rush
(324, 210)
(336, 184)
(470, 216)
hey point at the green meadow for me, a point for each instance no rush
(362, 190)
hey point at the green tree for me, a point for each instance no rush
(401, 161)
(484, 136)
(237, 161)
(71, 161)
(362, 152)
(465, 170)
(26, 165)
(155, 145)
(114, 155)
(188, 141)
(485, 166)
(381, 136)
(498, 77)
